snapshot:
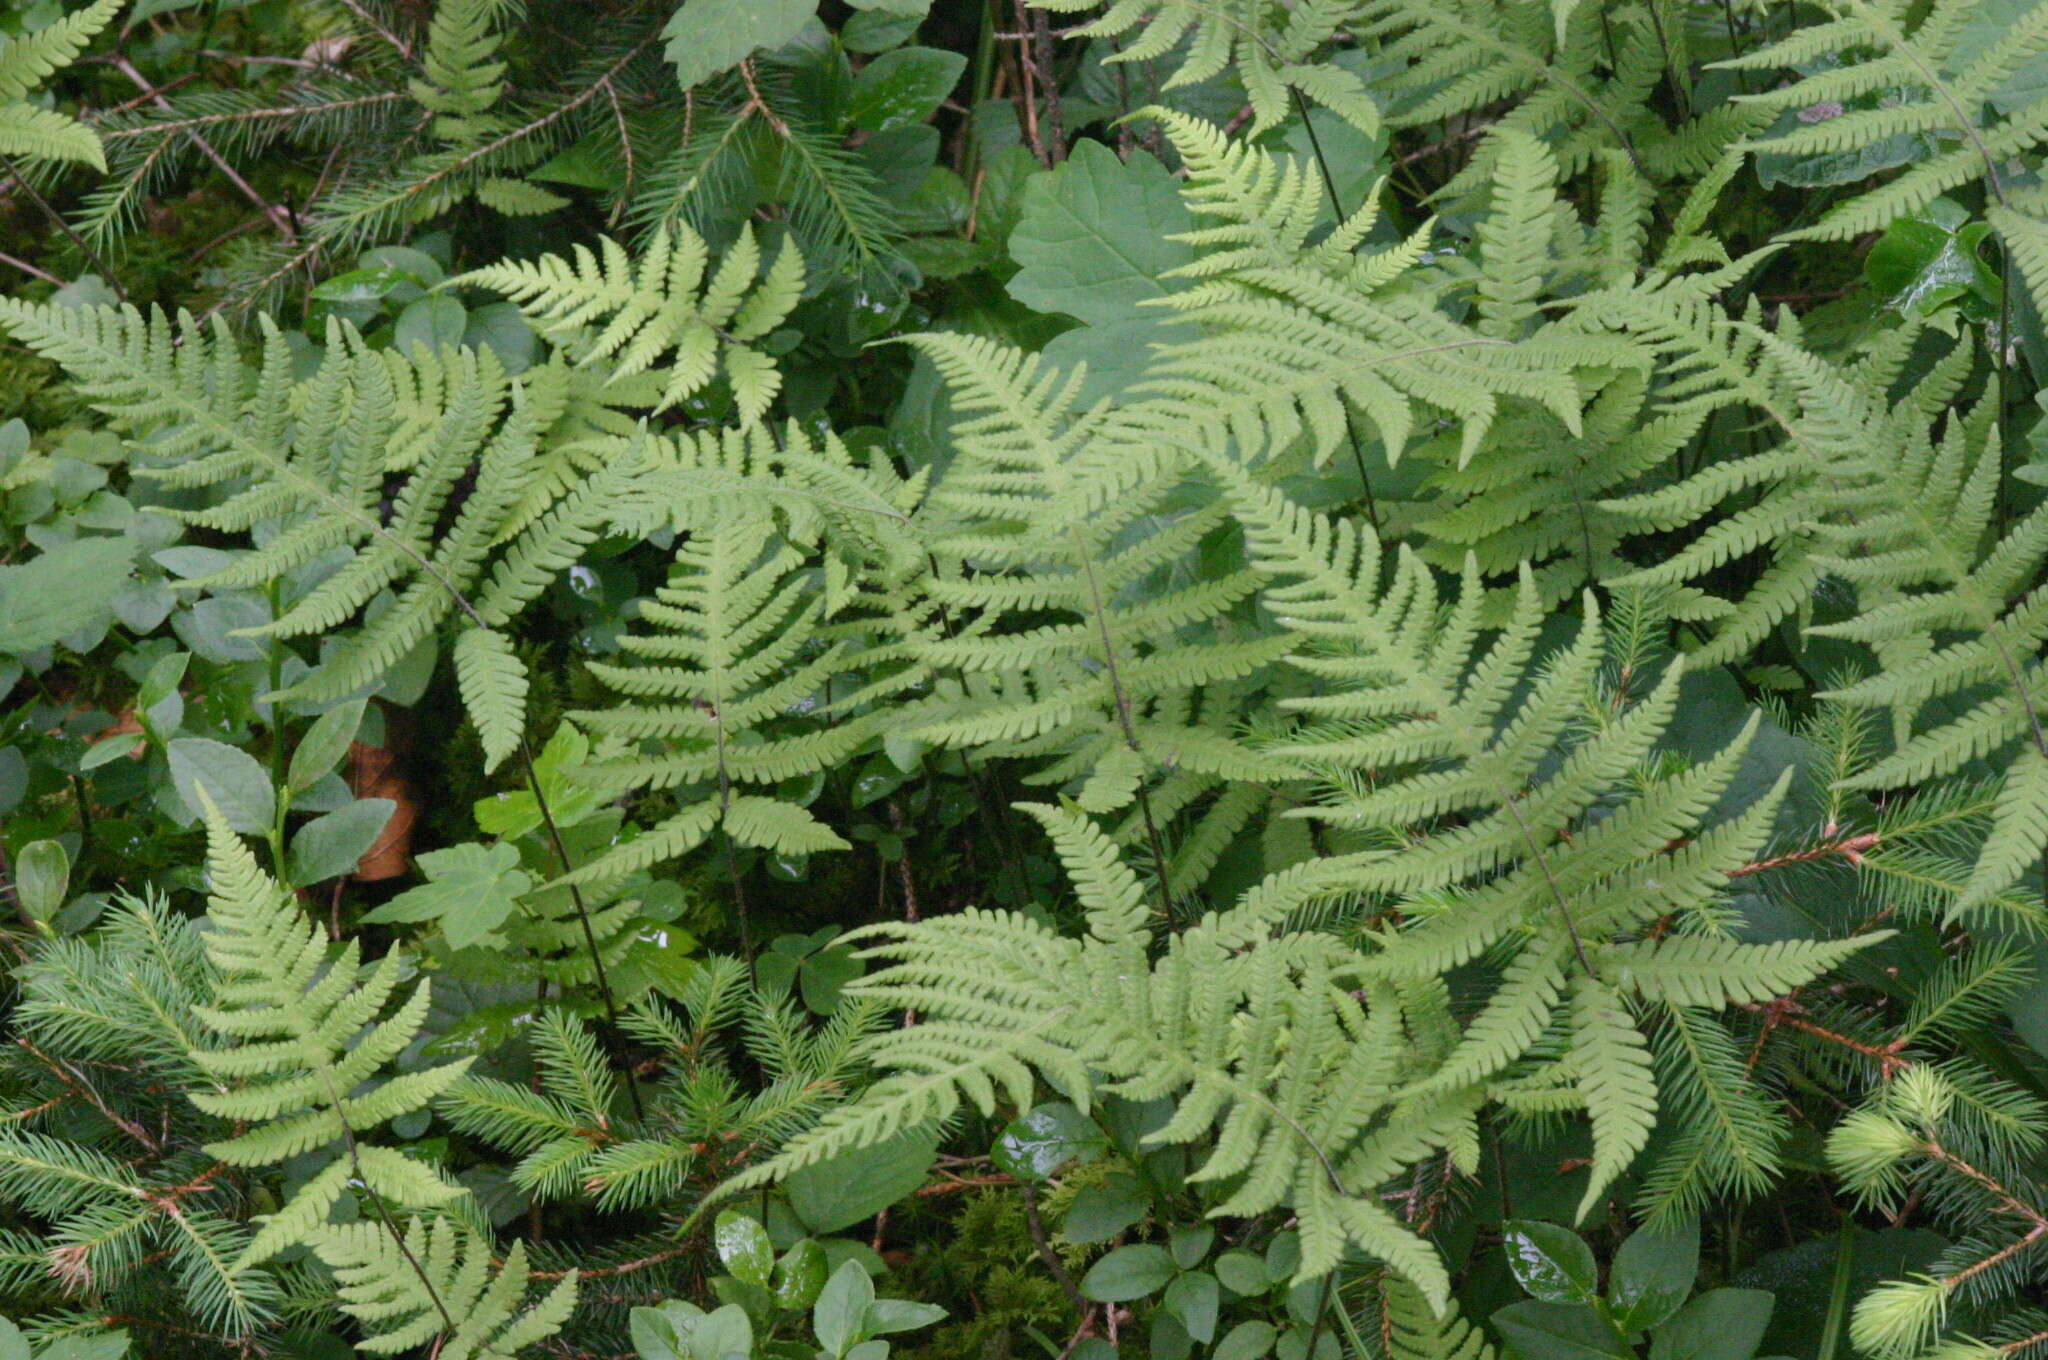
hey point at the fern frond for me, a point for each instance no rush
(1919, 53)
(1272, 50)
(314, 454)
(493, 684)
(663, 311)
(301, 1066)
(440, 1288)
(1298, 337)
(26, 60)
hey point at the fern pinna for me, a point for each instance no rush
(314, 457)
(1065, 632)
(655, 306)
(26, 62)
(303, 1039)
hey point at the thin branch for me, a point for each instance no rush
(1315, 143)
(92, 257)
(28, 268)
(1042, 1245)
(316, 241)
(155, 96)
(1125, 720)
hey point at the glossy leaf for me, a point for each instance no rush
(904, 86)
(1194, 1299)
(1653, 1275)
(42, 876)
(324, 743)
(743, 1246)
(709, 36)
(1553, 1264)
(1039, 1142)
(799, 1275)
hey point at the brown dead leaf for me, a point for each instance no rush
(377, 772)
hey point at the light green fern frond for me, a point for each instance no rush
(31, 58)
(1899, 502)
(1271, 48)
(1259, 1040)
(440, 1288)
(1580, 78)
(493, 686)
(1882, 46)
(736, 639)
(313, 456)
(306, 1039)
(1296, 337)
(463, 78)
(1076, 633)
(1534, 862)
(664, 311)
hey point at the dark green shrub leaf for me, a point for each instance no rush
(1552, 1263)
(1038, 1143)
(1653, 1274)
(1128, 1273)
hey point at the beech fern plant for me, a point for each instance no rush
(1185, 673)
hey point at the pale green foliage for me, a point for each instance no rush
(1299, 335)
(1930, 1133)
(1921, 576)
(737, 624)
(1518, 867)
(1271, 47)
(1297, 1110)
(1493, 500)
(1258, 1039)
(402, 1307)
(1890, 45)
(664, 315)
(1580, 77)
(313, 455)
(304, 1035)
(463, 79)
(1494, 894)
(29, 59)
(305, 1040)
(1072, 532)
(1901, 509)
(493, 687)
(744, 633)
